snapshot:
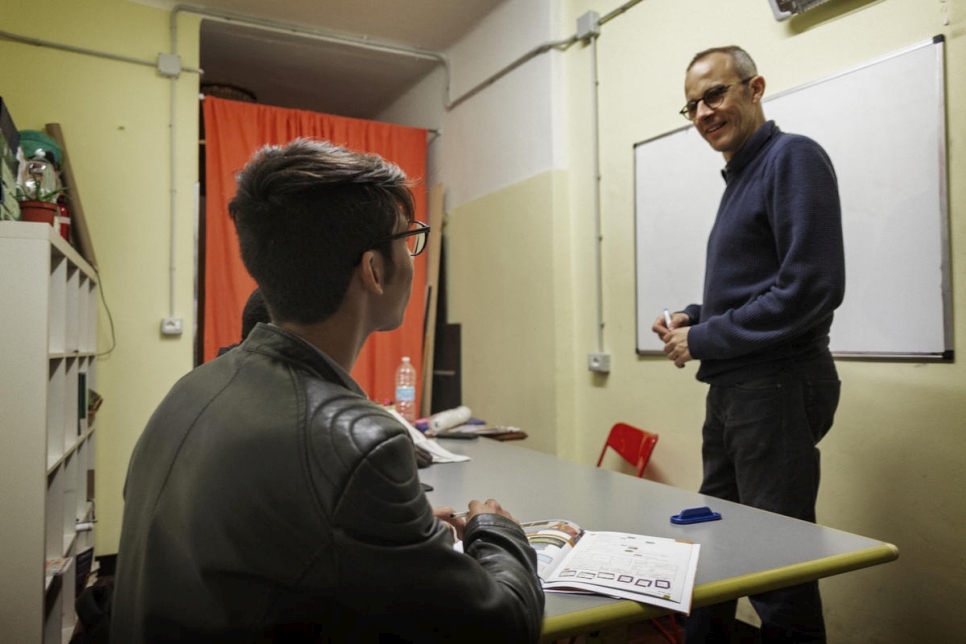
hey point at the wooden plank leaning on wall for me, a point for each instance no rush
(81, 237)
(435, 244)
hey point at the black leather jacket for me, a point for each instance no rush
(268, 499)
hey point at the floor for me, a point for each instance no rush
(641, 633)
(648, 633)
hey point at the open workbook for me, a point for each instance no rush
(651, 570)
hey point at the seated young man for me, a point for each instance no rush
(268, 498)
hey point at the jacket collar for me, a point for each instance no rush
(274, 340)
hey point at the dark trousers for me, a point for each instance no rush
(759, 449)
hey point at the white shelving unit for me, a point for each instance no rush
(48, 340)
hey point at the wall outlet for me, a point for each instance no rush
(599, 362)
(172, 326)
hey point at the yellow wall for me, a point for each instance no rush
(892, 465)
(115, 119)
(511, 254)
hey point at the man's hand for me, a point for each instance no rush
(676, 346)
(492, 506)
(458, 522)
(678, 320)
(674, 337)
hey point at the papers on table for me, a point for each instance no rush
(439, 453)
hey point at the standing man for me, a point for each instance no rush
(268, 499)
(775, 273)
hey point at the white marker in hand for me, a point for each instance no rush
(667, 319)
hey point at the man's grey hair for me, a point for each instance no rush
(744, 65)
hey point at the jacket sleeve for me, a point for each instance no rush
(693, 311)
(395, 562)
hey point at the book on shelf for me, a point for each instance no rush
(54, 569)
(82, 402)
(651, 570)
(57, 566)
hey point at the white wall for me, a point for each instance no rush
(513, 127)
(496, 158)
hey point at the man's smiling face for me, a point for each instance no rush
(729, 125)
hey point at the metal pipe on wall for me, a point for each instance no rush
(83, 50)
(598, 236)
(351, 41)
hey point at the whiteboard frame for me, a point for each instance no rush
(945, 287)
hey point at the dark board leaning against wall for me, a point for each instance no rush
(883, 124)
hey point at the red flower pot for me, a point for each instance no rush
(39, 211)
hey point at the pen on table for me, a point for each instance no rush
(460, 515)
(667, 318)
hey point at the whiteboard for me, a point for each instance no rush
(883, 124)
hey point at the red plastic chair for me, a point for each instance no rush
(635, 446)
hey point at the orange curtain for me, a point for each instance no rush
(233, 132)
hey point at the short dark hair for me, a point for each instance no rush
(305, 213)
(744, 66)
(254, 312)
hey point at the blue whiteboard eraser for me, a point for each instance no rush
(695, 515)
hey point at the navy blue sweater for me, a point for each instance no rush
(775, 266)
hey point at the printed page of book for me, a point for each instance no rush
(553, 540)
(652, 570)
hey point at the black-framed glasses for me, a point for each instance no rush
(415, 237)
(712, 98)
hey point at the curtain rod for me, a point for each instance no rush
(430, 130)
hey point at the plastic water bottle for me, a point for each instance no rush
(406, 390)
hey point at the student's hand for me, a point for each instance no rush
(456, 524)
(678, 320)
(676, 346)
(492, 506)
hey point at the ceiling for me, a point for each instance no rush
(289, 70)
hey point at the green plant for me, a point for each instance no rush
(35, 192)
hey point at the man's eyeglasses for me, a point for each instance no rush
(712, 98)
(415, 237)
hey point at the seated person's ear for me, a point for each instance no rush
(372, 271)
